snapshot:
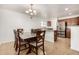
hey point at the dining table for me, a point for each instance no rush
(28, 36)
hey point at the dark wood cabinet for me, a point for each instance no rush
(68, 33)
(70, 22)
(55, 35)
(61, 34)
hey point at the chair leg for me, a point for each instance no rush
(29, 51)
(18, 51)
(36, 51)
(43, 50)
(16, 47)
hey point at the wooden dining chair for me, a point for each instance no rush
(19, 42)
(39, 42)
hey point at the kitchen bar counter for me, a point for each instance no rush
(49, 36)
(75, 38)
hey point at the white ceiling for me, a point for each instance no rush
(45, 10)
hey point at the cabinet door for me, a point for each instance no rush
(68, 33)
(55, 35)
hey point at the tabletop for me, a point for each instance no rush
(27, 35)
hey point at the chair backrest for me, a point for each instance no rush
(40, 36)
(35, 30)
(18, 39)
(19, 31)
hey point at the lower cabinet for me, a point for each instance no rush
(55, 35)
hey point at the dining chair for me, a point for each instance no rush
(39, 42)
(19, 42)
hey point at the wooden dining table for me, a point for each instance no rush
(27, 35)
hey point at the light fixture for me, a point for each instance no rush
(66, 9)
(31, 12)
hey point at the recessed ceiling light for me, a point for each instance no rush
(66, 9)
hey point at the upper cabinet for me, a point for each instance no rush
(71, 21)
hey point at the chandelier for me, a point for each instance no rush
(30, 11)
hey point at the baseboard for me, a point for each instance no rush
(6, 42)
(75, 49)
(0, 43)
